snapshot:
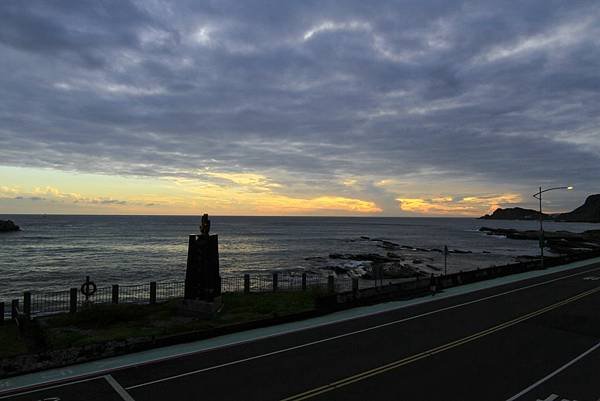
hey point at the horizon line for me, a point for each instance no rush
(240, 215)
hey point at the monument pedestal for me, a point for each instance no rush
(202, 296)
(202, 279)
(199, 308)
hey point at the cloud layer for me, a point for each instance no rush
(373, 102)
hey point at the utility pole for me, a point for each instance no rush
(538, 196)
(445, 260)
(541, 232)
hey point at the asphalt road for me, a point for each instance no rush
(537, 339)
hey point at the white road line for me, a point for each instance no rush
(557, 371)
(551, 397)
(118, 388)
(49, 388)
(280, 351)
(86, 377)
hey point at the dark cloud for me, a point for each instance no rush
(488, 92)
(31, 198)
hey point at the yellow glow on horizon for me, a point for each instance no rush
(241, 193)
(29, 190)
(447, 205)
(297, 205)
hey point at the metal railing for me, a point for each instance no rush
(40, 304)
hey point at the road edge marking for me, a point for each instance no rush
(18, 394)
(554, 373)
(118, 388)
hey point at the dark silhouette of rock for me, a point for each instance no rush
(8, 225)
(459, 251)
(361, 257)
(515, 213)
(560, 242)
(389, 244)
(589, 212)
(391, 270)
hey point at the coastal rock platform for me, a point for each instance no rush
(8, 226)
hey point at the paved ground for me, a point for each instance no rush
(537, 339)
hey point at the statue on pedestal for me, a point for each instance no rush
(202, 279)
(205, 225)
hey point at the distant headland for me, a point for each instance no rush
(8, 225)
(589, 212)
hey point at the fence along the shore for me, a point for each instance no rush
(38, 304)
(65, 301)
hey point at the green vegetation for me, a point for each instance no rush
(119, 322)
(11, 343)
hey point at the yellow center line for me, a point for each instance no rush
(413, 358)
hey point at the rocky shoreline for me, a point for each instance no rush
(8, 226)
(559, 242)
(398, 261)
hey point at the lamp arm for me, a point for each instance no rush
(538, 194)
(552, 189)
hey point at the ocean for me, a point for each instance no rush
(55, 252)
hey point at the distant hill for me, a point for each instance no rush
(515, 213)
(589, 212)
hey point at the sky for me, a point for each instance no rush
(379, 108)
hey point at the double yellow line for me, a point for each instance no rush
(425, 354)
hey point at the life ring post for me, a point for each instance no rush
(88, 288)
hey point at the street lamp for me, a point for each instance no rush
(538, 195)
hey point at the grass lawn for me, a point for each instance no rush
(11, 343)
(118, 322)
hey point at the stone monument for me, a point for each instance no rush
(202, 295)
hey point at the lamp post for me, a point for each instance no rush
(538, 196)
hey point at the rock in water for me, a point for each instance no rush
(8, 225)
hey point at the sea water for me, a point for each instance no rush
(56, 252)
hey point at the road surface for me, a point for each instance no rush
(536, 339)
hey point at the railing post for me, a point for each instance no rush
(354, 285)
(1, 313)
(246, 283)
(115, 293)
(14, 309)
(275, 281)
(303, 281)
(152, 292)
(73, 300)
(330, 284)
(27, 303)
